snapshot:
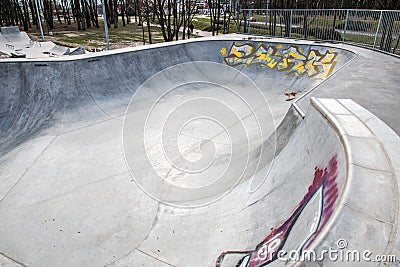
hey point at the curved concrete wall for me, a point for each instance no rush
(68, 196)
(38, 94)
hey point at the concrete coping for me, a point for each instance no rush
(233, 38)
(370, 198)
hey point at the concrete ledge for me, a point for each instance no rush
(368, 213)
(230, 37)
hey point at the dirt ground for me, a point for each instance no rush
(93, 38)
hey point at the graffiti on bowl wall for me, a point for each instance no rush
(316, 207)
(291, 60)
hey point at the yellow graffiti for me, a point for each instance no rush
(223, 51)
(292, 60)
(266, 56)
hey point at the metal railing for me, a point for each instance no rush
(378, 29)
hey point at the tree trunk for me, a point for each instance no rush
(33, 12)
(116, 14)
(123, 13)
(148, 20)
(57, 13)
(212, 20)
(77, 15)
(218, 14)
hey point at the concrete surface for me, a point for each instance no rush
(370, 203)
(162, 156)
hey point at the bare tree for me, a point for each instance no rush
(146, 13)
(174, 16)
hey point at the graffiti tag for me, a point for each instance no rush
(291, 60)
(323, 187)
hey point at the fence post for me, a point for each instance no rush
(237, 22)
(39, 19)
(248, 19)
(290, 24)
(266, 15)
(377, 29)
(103, 6)
(345, 25)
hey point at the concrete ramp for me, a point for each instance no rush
(14, 43)
(339, 219)
(59, 50)
(185, 154)
(13, 35)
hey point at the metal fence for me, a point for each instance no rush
(378, 29)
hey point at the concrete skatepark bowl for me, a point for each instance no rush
(188, 154)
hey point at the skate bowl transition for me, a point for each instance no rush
(190, 154)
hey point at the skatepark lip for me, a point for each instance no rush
(296, 106)
(74, 194)
(230, 37)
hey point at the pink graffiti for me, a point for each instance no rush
(266, 251)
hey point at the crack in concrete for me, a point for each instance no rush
(13, 260)
(27, 169)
